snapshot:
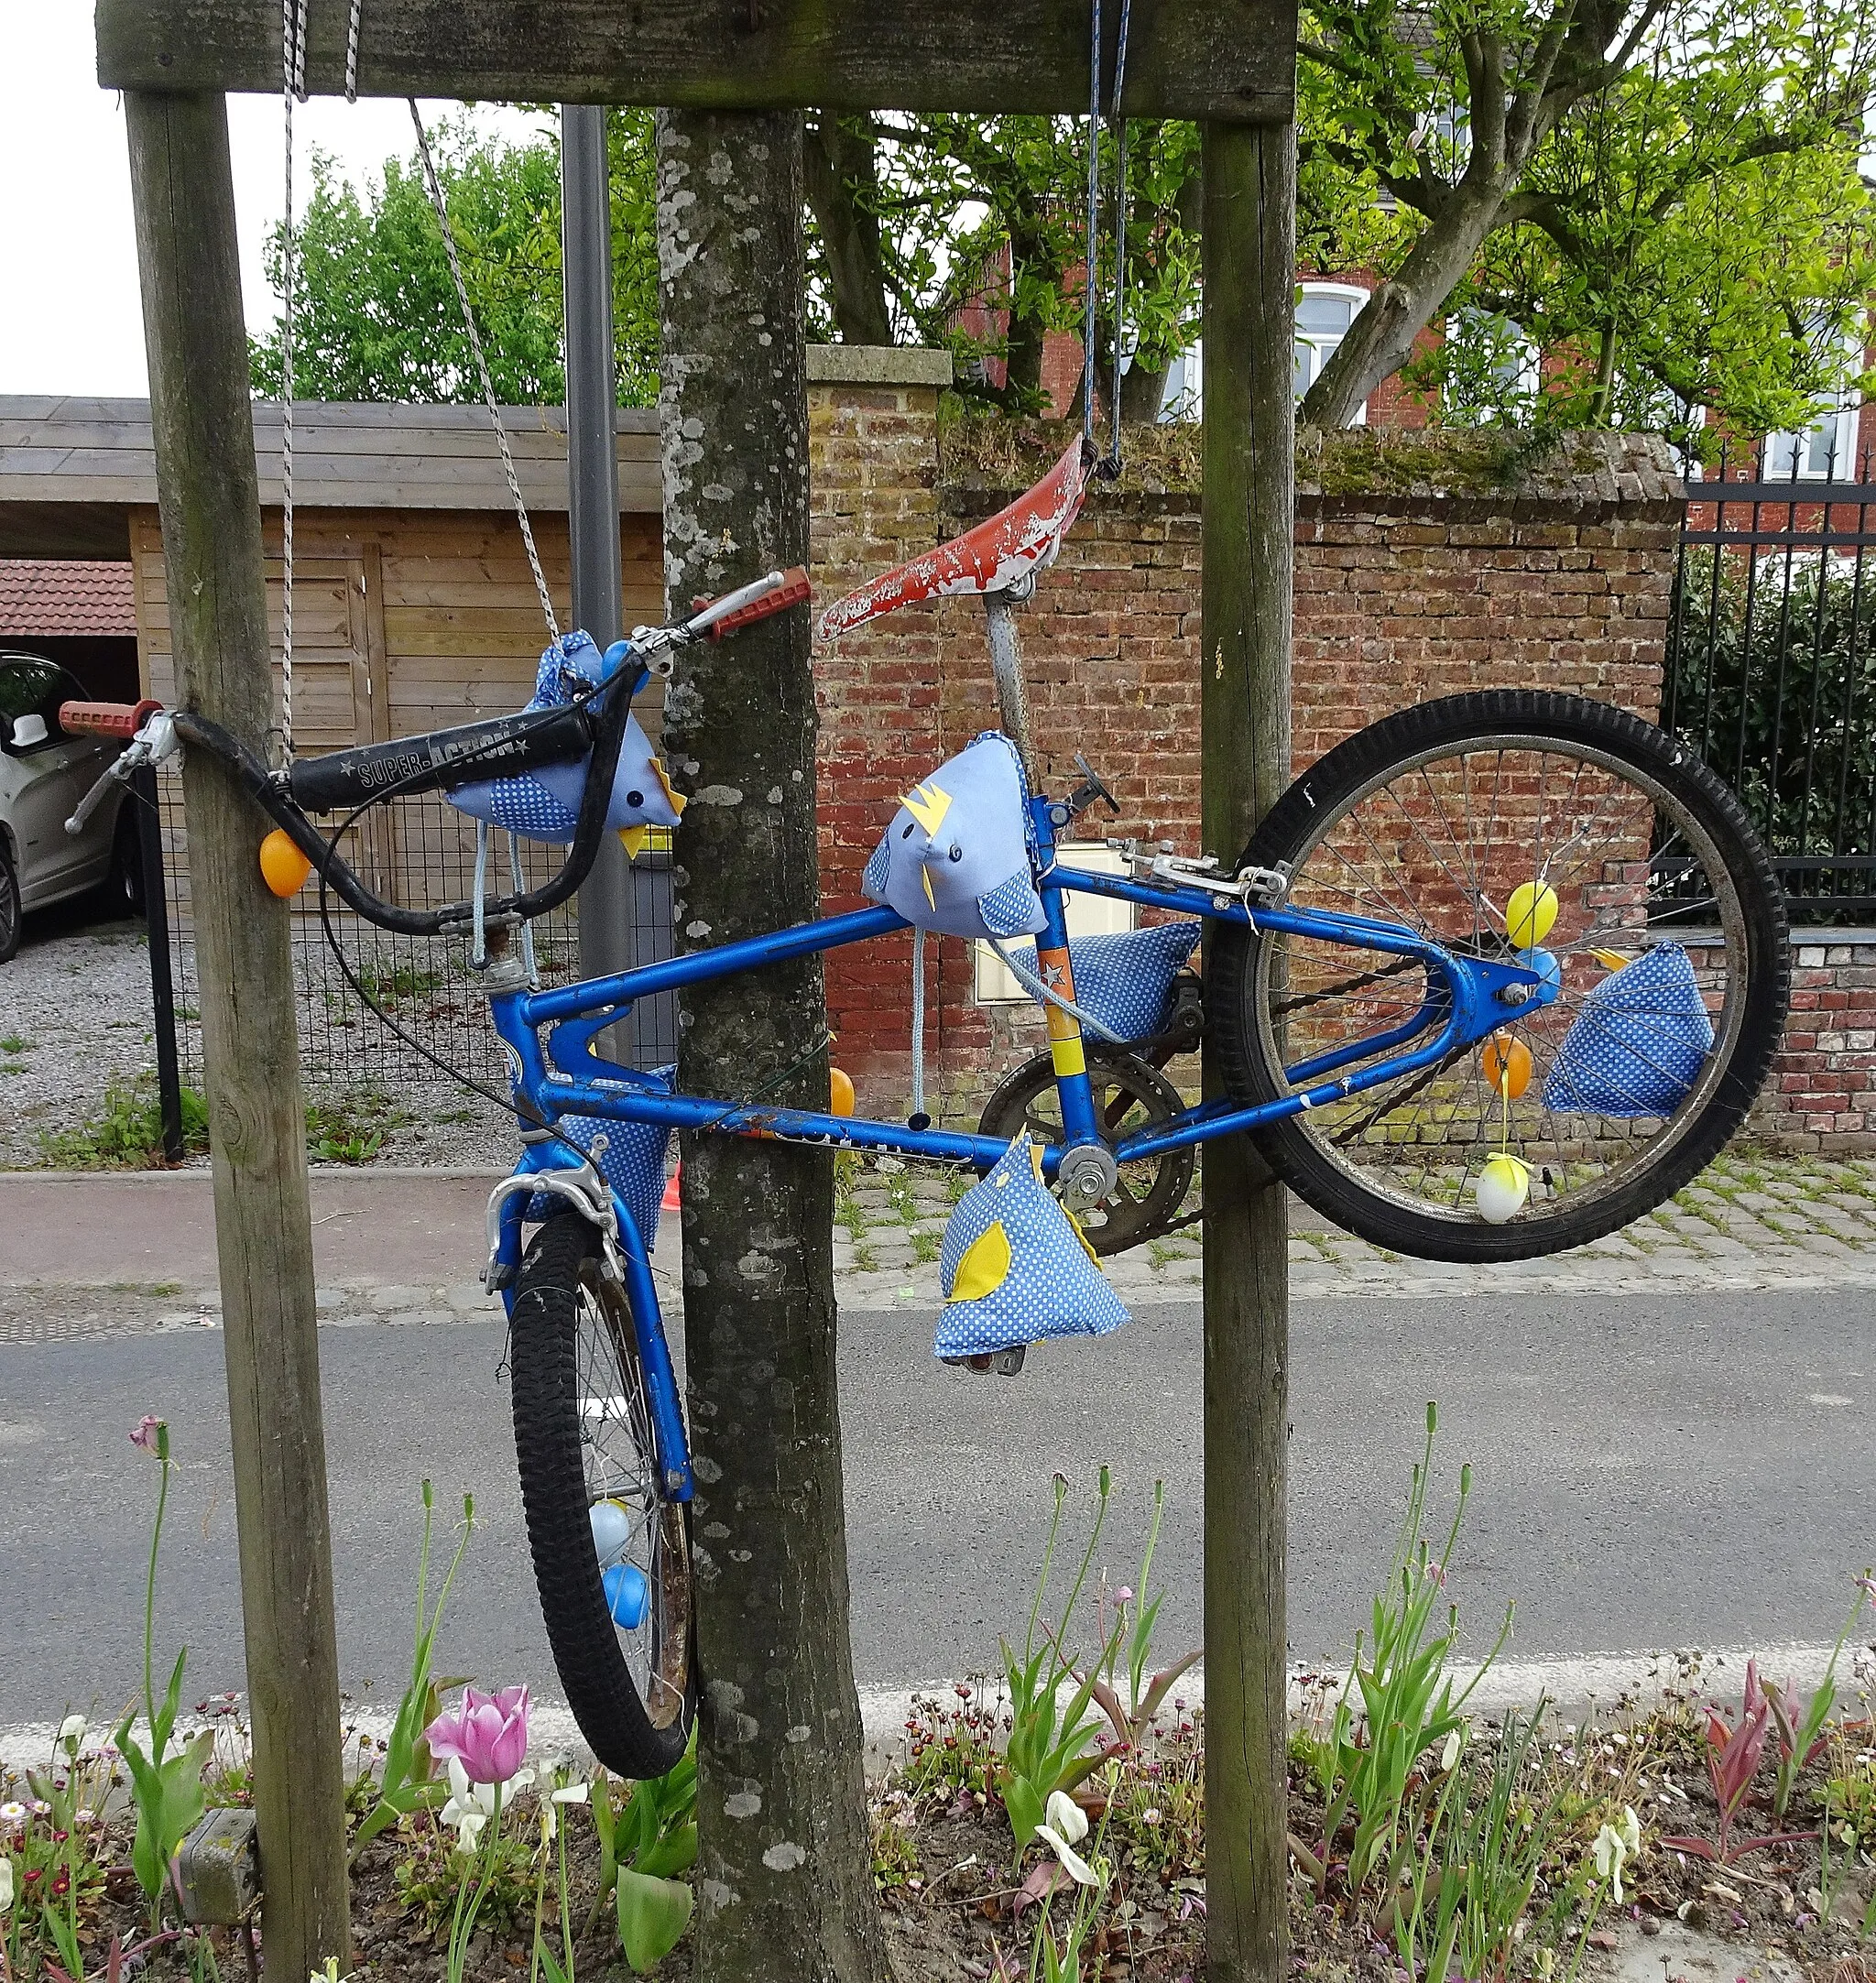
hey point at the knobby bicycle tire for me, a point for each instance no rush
(1330, 791)
(625, 1734)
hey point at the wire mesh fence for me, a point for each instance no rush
(1771, 646)
(417, 853)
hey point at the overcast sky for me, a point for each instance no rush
(69, 316)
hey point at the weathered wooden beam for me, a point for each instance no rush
(1249, 482)
(1229, 60)
(183, 195)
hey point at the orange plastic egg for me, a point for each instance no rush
(282, 865)
(841, 1091)
(1507, 1065)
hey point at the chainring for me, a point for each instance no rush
(1129, 1095)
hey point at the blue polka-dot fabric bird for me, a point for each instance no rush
(956, 856)
(1014, 1268)
(630, 1156)
(1638, 1045)
(544, 804)
(1123, 980)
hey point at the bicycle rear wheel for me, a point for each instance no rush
(612, 1556)
(1621, 843)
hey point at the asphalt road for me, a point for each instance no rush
(1688, 1470)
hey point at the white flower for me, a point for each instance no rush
(568, 1793)
(6, 1883)
(12, 1814)
(1631, 1829)
(1066, 1827)
(470, 1805)
(72, 1732)
(1449, 1755)
(1609, 1852)
(1150, 1816)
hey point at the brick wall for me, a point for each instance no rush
(1822, 1094)
(1426, 564)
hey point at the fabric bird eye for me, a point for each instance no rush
(908, 833)
(635, 799)
(956, 851)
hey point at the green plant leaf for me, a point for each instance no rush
(654, 1913)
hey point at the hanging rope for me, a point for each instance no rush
(501, 437)
(292, 89)
(1106, 466)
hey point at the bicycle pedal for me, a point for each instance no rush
(1002, 1362)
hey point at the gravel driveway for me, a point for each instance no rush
(75, 1017)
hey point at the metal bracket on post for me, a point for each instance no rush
(1006, 665)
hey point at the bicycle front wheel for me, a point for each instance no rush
(612, 1556)
(1518, 825)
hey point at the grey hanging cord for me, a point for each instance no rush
(1033, 985)
(520, 887)
(501, 436)
(918, 1021)
(1106, 466)
(478, 950)
(292, 87)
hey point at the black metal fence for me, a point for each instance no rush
(1771, 648)
(416, 852)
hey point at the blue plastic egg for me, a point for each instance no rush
(627, 1595)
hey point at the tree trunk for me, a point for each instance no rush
(839, 169)
(785, 1881)
(1249, 478)
(183, 194)
(1381, 340)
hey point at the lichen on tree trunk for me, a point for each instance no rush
(784, 1876)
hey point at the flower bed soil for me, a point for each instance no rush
(951, 1896)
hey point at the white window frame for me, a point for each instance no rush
(1185, 382)
(1837, 421)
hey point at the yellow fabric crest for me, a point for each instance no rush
(928, 804)
(984, 1265)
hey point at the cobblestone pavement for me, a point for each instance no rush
(1770, 1222)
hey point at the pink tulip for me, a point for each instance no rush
(487, 1734)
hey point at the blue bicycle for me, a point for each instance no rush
(1497, 976)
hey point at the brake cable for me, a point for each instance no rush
(1106, 466)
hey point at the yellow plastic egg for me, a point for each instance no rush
(1507, 1065)
(840, 1092)
(1530, 913)
(282, 865)
(1504, 1184)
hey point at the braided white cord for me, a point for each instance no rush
(292, 85)
(501, 438)
(351, 51)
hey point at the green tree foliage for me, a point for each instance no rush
(376, 312)
(1666, 189)
(914, 216)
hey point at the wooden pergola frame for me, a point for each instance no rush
(1228, 63)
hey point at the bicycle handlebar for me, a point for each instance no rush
(442, 760)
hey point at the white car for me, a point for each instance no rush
(44, 773)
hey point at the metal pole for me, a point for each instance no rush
(156, 910)
(592, 477)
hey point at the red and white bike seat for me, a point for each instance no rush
(1022, 538)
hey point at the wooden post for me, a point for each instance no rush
(785, 1886)
(209, 497)
(1249, 476)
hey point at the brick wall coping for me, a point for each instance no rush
(1368, 472)
(1808, 939)
(878, 364)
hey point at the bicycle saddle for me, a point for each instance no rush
(1022, 538)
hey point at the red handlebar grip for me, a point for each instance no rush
(793, 591)
(106, 719)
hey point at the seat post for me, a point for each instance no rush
(1006, 665)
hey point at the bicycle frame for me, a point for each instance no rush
(560, 1074)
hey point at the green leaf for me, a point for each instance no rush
(1024, 1803)
(654, 1913)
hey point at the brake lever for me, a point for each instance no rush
(153, 745)
(1093, 787)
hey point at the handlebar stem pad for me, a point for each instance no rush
(439, 760)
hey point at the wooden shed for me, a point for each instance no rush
(413, 603)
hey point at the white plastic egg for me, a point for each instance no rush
(1503, 1185)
